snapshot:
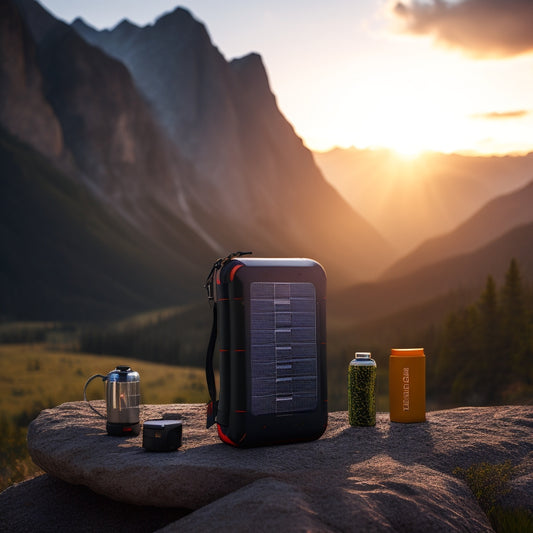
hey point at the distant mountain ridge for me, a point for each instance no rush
(496, 218)
(465, 272)
(411, 200)
(448, 268)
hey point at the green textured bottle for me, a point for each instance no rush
(362, 390)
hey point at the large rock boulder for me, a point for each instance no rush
(46, 504)
(396, 477)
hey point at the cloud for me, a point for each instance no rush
(480, 28)
(501, 115)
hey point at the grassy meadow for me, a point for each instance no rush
(33, 377)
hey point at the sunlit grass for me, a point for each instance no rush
(31, 376)
(489, 482)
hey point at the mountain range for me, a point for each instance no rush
(132, 158)
(184, 149)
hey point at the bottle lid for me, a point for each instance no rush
(407, 352)
(363, 355)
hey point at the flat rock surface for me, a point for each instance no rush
(396, 477)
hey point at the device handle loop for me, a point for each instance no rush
(85, 392)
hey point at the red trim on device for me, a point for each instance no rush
(224, 438)
(233, 271)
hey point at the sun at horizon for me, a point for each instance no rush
(407, 95)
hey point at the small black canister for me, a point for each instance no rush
(362, 390)
(162, 435)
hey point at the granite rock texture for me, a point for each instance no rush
(392, 477)
(46, 504)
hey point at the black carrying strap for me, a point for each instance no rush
(212, 406)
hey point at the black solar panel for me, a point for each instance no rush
(283, 347)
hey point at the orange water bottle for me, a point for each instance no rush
(407, 385)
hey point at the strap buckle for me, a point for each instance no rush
(217, 265)
(212, 410)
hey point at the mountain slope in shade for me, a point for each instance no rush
(411, 200)
(495, 219)
(368, 301)
(67, 257)
(254, 176)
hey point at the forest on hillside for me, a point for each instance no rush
(484, 351)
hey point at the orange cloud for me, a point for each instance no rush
(499, 115)
(480, 28)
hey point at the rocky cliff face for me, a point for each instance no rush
(24, 111)
(118, 147)
(253, 171)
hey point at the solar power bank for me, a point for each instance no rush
(271, 327)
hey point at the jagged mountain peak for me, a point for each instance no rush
(179, 26)
(252, 74)
(81, 22)
(126, 25)
(123, 29)
(178, 22)
(178, 16)
(252, 63)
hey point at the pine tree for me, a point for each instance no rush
(458, 369)
(489, 342)
(516, 327)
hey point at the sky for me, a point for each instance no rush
(412, 75)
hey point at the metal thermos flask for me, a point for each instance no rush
(407, 385)
(122, 393)
(362, 390)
